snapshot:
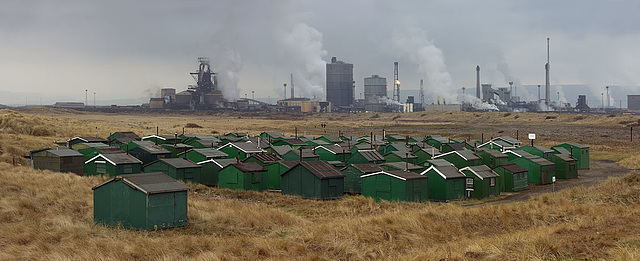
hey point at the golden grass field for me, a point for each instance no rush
(47, 215)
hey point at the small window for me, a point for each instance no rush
(101, 167)
(492, 182)
(469, 181)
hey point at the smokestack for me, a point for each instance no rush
(478, 81)
(546, 87)
(285, 91)
(292, 96)
(396, 83)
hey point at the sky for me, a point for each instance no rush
(123, 52)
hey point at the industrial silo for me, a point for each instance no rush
(375, 91)
(340, 88)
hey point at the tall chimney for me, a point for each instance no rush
(546, 86)
(285, 91)
(478, 81)
(292, 96)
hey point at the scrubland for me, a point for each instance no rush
(48, 215)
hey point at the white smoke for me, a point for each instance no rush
(477, 103)
(386, 100)
(413, 44)
(229, 65)
(303, 46)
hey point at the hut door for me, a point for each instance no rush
(543, 176)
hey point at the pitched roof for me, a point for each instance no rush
(246, 147)
(538, 147)
(152, 148)
(94, 144)
(428, 149)
(565, 157)
(289, 163)
(160, 137)
(220, 162)
(403, 154)
(481, 171)
(247, 167)
(109, 150)
(457, 146)
(64, 152)
(334, 149)
(494, 153)
(334, 139)
(210, 153)
(294, 141)
(148, 183)
(513, 168)
(273, 134)
(446, 172)
(125, 136)
(397, 137)
(399, 174)
(464, 154)
(321, 169)
(371, 155)
(367, 168)
(306, 153)
(561, 150)
(116, 159)
(180, 163)
(439, 162)
(266, 158)
(508, 139)
(89, 139)
(281, 150)
(577, 145)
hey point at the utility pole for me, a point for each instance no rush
(85, 97)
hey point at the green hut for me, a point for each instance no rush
(146, 151)
(461, 158)
(425, 153)
(240, 150)
(437, 141)
(112, 165)
(395, 186)
(243, 176)
(210, 170)
(93, 151)
(492, 158)
(485, 181)
(73, 142)
(393, 146)
(366, 156)
(445, 183)
(60, 160)
(436, 162)
(352, 173)
(513, 178)
(200, 142)
(291, 142)
(278, 150)
(313, 179)
(84, 145)
(146, 201)
(453, 146)
(579, 152)
(332, 153)
(271, 135)
(274, 170)
(203, 154)
(177, 149)
(566, 166)
(499, 145)
(177, 168)
(540, 171)
(330, 139)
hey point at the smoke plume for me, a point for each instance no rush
(477, 103)
(228, 64)
(303, 46)
(413, 45)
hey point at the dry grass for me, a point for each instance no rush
(47, 215)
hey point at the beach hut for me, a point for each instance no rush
(485, 181)
(352, 173)
(513, 178)
(461, 158)
(566, 166)
(60, 160)
(313, 179)
(243, 176)
(395, 186)
(446, 183)
(540, 171)
(177, 168)
(147, 201)
(492, 158)
(274, 170)
(366, 156)
(241, 150)
(210, 170)
(578, 151)
(112, 165)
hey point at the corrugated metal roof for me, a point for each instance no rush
(577, 145)
(561, 150)
(220, 162)
(248, 167)
(447, 172)
(372, 155)
(482, 171)
(407, 175)
(289, 163)
(513, 168)
(180, 163)
(64, 152)
(440, 162)
(457, 146)
(266, 158)
(334, 149)
(367, 168)
(539, 160)
(121, 158)
(152, 183)
(322, 169)
(245, 147)
(469, 155)
(566, 157)
(281, 150)
(211, 153)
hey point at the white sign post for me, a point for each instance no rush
(532, 136)
(553, 179)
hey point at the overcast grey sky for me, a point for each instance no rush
(54, 50)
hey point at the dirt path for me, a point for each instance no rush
(600, 171)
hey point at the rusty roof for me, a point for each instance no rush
(371, 155)
(513, 168)
(266, 158)
(322, 169)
